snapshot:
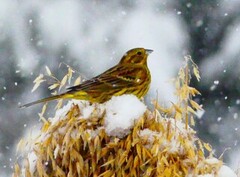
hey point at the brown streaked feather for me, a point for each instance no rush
(120, 76)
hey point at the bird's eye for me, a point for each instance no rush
(139, 53)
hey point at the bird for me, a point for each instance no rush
(130, 76)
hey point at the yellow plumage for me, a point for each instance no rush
(130, 76)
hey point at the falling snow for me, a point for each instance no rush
(219, 119)
(189, 5)
(35, 34)
(216, 82)
(179, 12)
(238, 101)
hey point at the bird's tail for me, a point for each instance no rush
(64, 95)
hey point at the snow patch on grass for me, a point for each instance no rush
(121, 112)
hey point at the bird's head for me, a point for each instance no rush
(136, 56)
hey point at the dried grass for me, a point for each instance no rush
(161, 142)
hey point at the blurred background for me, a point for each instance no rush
(92, 36)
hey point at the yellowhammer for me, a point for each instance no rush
(130, 76)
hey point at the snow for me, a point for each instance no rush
(238, 101)
(151, 135)
(212, 161)
(121, 112)
(119, 117)
(219, 119)
(92, 31)
(60, 113)
(32, 161)
(227, 56)
(216, 82)
(173, 145)
(26, 146)
(85, 107)
(200, 113)
(93, 37)
(206, 175)
(235, 115)
(163, 62)
(235, 156)
(88, 39)
(56, 15)
(88, 110)
(225, 171)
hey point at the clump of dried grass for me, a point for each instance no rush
(161, 142)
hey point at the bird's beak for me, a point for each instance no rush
(148, 51)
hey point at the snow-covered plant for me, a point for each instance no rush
(121, 137)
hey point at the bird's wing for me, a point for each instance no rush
(117, 77)
(127, 75)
